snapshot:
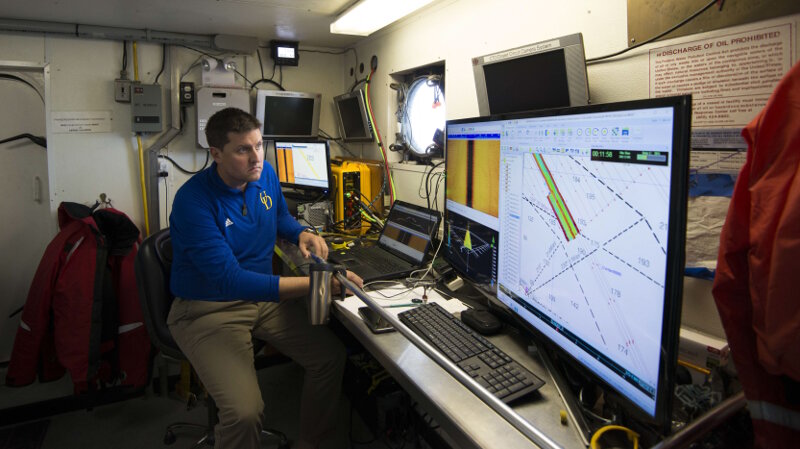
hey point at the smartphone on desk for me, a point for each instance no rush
(374, 321)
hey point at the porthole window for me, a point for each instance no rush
(423, 116)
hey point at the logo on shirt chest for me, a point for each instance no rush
(266, 200)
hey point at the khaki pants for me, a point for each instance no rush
(216, 337)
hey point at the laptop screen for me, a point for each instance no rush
(408, 230)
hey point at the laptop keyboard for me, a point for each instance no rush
(474, 354)
(380, 262)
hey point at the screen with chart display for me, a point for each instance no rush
(304, 166)
(471, 190)
(591, 224)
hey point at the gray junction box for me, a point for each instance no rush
(213, 99)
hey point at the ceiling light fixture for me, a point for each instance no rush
(368, 16)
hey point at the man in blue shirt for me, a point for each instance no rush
(223, 226)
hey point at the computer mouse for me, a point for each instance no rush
(482, 321)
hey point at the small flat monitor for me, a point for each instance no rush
(303, 166)
(548, 74)
(286, 114)
(583, 235)
(354, 122)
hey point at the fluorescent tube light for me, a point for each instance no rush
(368, 16)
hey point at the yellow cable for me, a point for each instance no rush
(633, 436)
(141, 153)
(135, 63)
(392, 192)
(144, 188)
(699, 369)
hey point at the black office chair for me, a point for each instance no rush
(153, 263)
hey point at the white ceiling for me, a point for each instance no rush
(306, 21)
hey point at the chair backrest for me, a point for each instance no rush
(153, 264)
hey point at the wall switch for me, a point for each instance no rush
(122, 90)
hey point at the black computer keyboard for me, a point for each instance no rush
(382, 262)
(473, 353)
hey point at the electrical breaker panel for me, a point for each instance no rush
(146, 108)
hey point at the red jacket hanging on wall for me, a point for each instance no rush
(757, 284)
(82, 312)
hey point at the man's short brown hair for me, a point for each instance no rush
(228, 120)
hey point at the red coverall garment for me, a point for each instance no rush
(757, 284)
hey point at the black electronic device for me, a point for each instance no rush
(284, 52)
(471, 224)
(374, 322)
(402, 247)
(354, 122)
(590, 224)
(546, 74)
(286, 114)
(304, 166)
(481, 321)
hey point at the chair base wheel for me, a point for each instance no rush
(169, 437)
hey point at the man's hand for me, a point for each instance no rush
(336, 286)
(308, 243)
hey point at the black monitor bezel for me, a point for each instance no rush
(300, 189)
(676, 235)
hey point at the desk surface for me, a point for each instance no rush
(466, 419)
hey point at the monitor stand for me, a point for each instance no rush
(571, 401)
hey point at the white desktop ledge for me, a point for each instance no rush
(467, 420)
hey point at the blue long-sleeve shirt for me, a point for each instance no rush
(221, 252)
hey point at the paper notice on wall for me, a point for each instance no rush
(730, 76)
(79, 122)
(706, 216)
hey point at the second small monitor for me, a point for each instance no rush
(303, 165)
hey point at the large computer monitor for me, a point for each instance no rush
(547, 74)
(285, 114)
(354, 122)
(472, 163)
(304, 166)
(591, 221)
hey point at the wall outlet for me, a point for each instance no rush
(163, 169)
(187, 93)
(122, 90)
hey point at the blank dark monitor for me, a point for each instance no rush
(286, 114)
(543, 75)
(589, 228)
(354, 123)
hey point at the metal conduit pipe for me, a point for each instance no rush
(522, 425)
(152, 151)
(224, 42)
